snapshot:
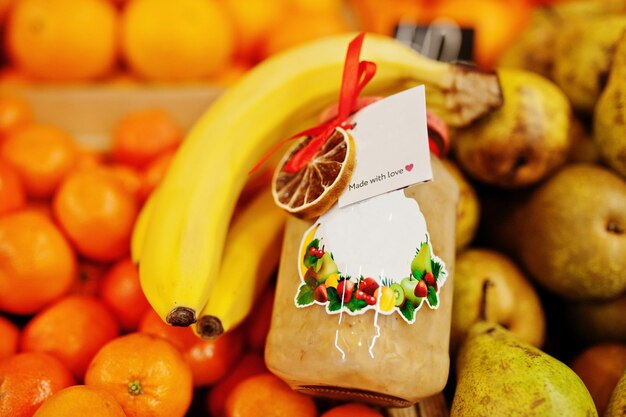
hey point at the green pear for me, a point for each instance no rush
(570, 233)
(610, 113)
(582, 57)
(617, 403)
(500, 375)
(523, 141)
(327, 267)
(534, 49)
(490, 287)
(468, 209)
(421, 262)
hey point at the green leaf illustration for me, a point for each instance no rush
(432, 297)
(408, 311)
(305, 296)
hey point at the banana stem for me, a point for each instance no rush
(463, 95)
(209, 327)
(181, 317)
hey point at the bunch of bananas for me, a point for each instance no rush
(190, 265)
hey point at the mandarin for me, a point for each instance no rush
(301, 28)
(9, 337)
(351, 410)
(80, 400)
(73, 330)
(250, 399)
(42, 155)
(145, 374)
(97, 213)
(154, 174)
(209, 360)
(198, 40)
(15, 112)
(28, 379)
(37, 265)
(88, 278)
(12, 193)
(250, 364)
(121, 291)
(143, 135)
(63, 40)
(253, 20)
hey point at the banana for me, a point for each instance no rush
(250, 257)
(184, 234)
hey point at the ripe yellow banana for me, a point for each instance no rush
(250, 257)
(185, 231)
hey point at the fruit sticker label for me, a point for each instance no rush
(371, 255)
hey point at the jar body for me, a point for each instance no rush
(381, 359)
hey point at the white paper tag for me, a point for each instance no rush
(392, 152)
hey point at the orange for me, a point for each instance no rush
(4, 7)
(72, 330)
(42, 155)
(145, 374)
(142, 135)
(9, 337)
(28, 379)
(253, 20)
(37, 265)
(14, 112)
(497, 23)
(14, 77)
(154, 174)
(88, 158)
(250, 364)
(258, 324)
(351, 410)
(374, 18)
(80, 400)
(231, 74)
(121, 291)
(301, 28)
(88, 278)
(129, 177)
(266, 395)
(209, 360)
(327, 174)
(181, 40)
(97, 213)
(12, 193)
(62, 40)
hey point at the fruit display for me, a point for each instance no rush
(174, 260)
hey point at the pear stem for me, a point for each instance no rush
(482, 313)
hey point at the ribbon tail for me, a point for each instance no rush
(350, 78)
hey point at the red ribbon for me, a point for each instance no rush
(356, 75)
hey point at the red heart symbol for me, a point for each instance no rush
(408, 167)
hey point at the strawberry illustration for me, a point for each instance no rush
(368, 286)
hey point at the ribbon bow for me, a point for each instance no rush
(356, 75)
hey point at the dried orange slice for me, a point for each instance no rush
(312, 190)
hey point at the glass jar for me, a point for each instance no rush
(377, 358)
